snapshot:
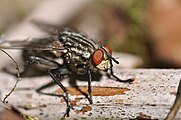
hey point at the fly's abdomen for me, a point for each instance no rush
(41, 43)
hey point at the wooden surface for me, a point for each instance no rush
(150, 95)
(9, 113)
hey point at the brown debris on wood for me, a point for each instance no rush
(96, 91)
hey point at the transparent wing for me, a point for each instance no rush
(50, 28)
(35, 44)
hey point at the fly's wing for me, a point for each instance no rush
(50, 28)
(39, 43)
(48, 44)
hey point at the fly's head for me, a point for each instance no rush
(102, 58)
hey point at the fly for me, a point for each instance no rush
(81, 56)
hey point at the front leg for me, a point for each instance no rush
(117, 79)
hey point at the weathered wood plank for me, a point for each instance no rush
(9, 113)
(151, 95)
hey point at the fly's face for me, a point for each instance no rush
(102, 58)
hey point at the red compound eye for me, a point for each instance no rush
(108, 49)
(98, 56)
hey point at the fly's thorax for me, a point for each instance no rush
(76, 40)
(77, 60)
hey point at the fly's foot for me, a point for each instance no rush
(120, 80)
(66, 115)
(127, 80)
(90, 100)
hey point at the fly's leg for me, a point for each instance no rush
(56, 74)
(38, 60)
(117, 79)
(39, 90)
(90, 87)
